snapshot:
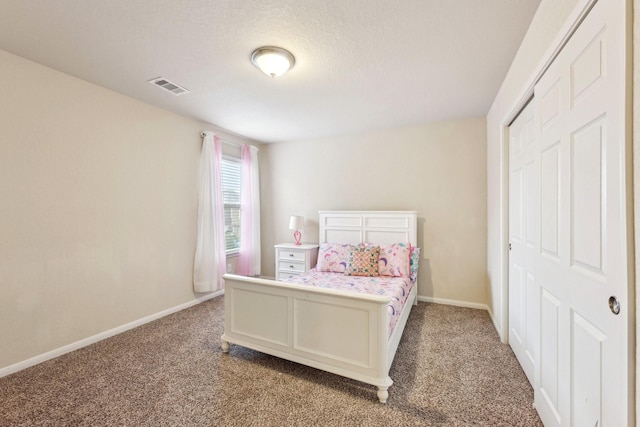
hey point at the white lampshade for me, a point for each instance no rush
(296, 223)
(273, 61)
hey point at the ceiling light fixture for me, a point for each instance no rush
(273, 61)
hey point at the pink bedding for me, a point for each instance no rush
(397, 288)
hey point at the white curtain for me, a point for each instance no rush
(210, 258)
(249, 256)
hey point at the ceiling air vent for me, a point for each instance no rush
(165, 84)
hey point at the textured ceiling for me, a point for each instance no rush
(360, 64)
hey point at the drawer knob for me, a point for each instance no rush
(290, 255)
(291, 266)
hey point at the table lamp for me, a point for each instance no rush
(296, 223)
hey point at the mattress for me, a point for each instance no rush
(397, 288)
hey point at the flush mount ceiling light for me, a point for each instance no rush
(273, 61)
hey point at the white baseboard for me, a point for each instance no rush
(103, 335)
(454, 302)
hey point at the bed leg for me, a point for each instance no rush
(383, 394)
(225, 346)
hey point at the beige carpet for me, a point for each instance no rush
(450, 370)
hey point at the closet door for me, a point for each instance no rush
(523, 241)
(584, 273)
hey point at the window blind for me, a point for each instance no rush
(230, 174)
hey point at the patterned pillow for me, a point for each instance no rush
(395, 260)
(363, 261)
(333, 257)
(415, 259)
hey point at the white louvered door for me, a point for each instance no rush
(583, 374)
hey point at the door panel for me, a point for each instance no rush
(587, 197)
(523, 237)
(582, 377)
(532, 321)
(588, 68)
(586, 386)
(549, 104)
(549, 382)
(550, 196)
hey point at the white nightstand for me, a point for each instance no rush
(292, 260)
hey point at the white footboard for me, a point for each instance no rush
(338, 332)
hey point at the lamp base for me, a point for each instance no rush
(297, 236)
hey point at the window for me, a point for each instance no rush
(230, 172)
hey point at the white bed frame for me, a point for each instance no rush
(336, 331)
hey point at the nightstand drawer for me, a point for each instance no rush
(291, 266)
(293, 255)
(286, 276)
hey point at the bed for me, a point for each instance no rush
(338, 331)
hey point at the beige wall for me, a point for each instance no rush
(438, 169)
(544, 28)
(98, 207)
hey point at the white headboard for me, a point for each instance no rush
(381, 227)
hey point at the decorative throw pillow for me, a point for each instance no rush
(415, 259)
(363, 261)
(333, 257)
(395, 260)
